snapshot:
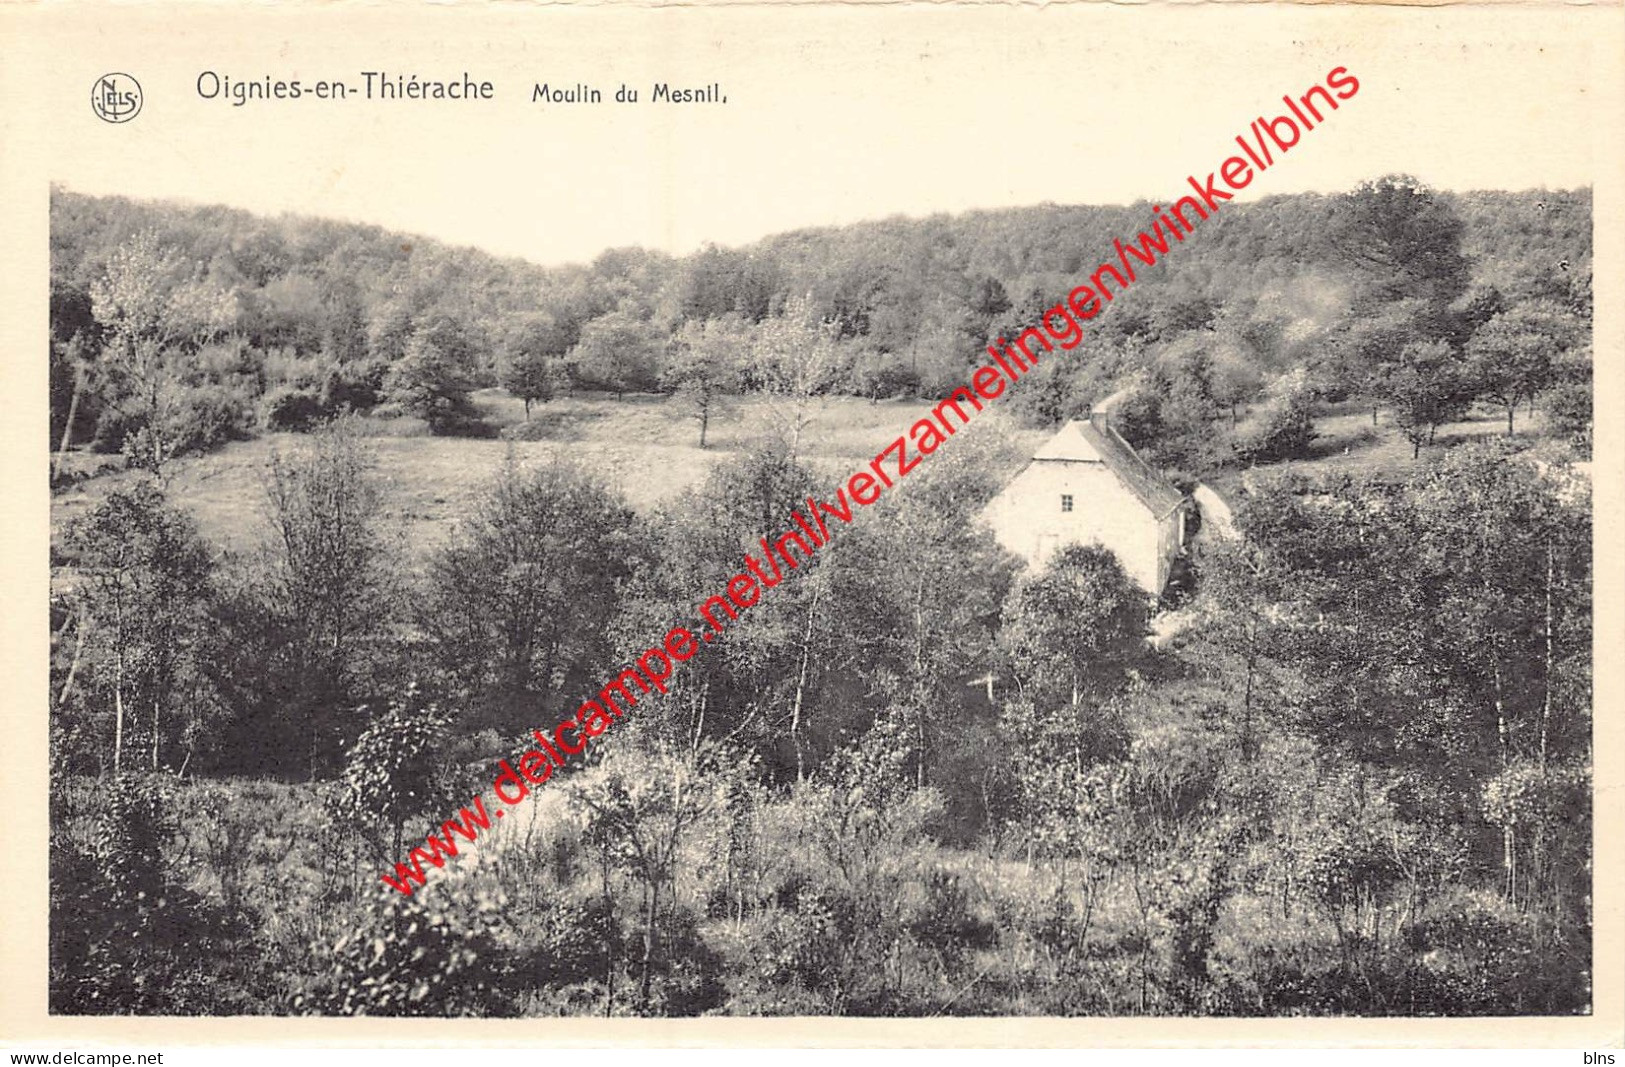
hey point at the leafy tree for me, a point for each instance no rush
(705, 366)
(739, 686)
(1240, 590)
(617, 351)
(1361, 353)
(794, 360)
(1137, 415)
(327, 582)
(76, 342)
(1569, 413)
(1419, 612)
(343, 321)
(1283, 425)
(533, 360)
(716, 282)
(1073, 626)
(394, 772)
(640, 814)
(70, 366)
(989, 299)
(1477, 306)
(860, 825)
(290, 311)
(147, 588)
(1067, 766)
(1234, 380)
(882, 374)
(388, 329)
(1428, 385)
(519, 602)
(434, 375)
(1404, 241)
(1513, 354)
(920, 592)
(1184, 375)
(1404, 238)
(153, 316)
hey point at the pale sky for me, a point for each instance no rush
(831, 117)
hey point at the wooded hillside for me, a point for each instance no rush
(183, 326)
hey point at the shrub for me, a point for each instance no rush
(1568, 413)
(211, 416)
(291, 408)
(946, 922)
(126, 936)
(134, 831)
(460, 423)
(688, 974)
(882, 380)
(113, 428)
(1480, 955)
(437, 954)
(572, 943)
(355, 386)
(395, 771)
(300, 404)
(197, 420)
(802, 945)
(1280, 429)
(529, 431)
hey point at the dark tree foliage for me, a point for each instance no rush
(1071, 628)
(145, 631)
(518, 604)
(1403, 238)
(322, 596)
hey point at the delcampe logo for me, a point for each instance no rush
(116, 98)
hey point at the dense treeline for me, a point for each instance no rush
(918, 778)
(176, 328)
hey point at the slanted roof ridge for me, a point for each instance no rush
(1142, 479)
(1070, 444)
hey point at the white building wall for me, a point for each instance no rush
(1027, 518)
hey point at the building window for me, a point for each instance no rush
(1066, 501)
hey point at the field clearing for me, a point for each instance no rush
(1346, 443)
(647, 447)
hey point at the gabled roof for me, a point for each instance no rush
(1071, 443)
(1081, 441)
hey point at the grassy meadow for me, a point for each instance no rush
(644, 446)
(647, 447)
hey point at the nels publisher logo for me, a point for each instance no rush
(116, 98)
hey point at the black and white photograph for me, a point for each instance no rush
(1062, 513)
